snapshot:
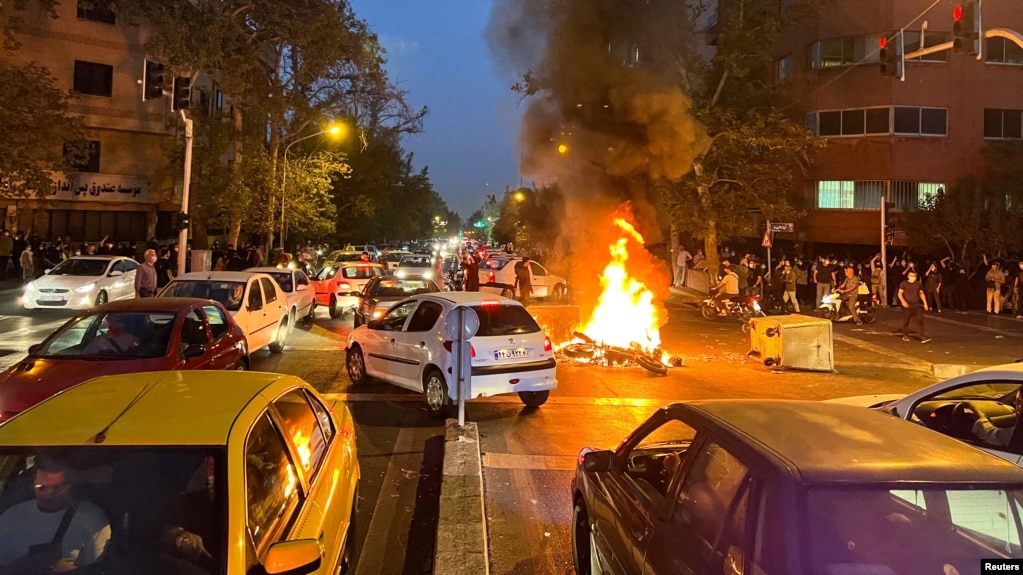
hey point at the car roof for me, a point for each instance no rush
(99, 257)
(827, 443)
(192, 408)
(470, 297)
(356, 264)
(267, 270)
(1016, 368)
(215, 276)
(166, 304)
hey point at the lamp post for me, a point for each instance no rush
(332, 130)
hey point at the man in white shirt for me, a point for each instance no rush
(682, 265)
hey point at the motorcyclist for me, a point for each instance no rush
(849, 292)
(727, 288)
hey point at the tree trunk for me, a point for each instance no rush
(235, 227)
(200, 237)
(710, 249)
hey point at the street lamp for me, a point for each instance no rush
(333, 130)
(519, 196)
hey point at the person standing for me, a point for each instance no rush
(162, 267)
(18, 246)
(995, 279)
(6, 249)
(824, 277)
(1016, 307)
(932, 287)
(788, 280)
(876, 275)
(522, 280)
(682, 265)
(912, 302)
(962, 287)
(145, 276)
(27, 264)
(471, 273)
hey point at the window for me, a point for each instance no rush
(537, 269)
(1003, 124)
(811, 122)
(91, 163)
(395, 319)
(271, 485)
(301, 279)
(255, 298)
(301, 425)
(708, 490)
(97, 11)
(911, 42)
(832, 195)
(854, 122)
(269, 290)
(425, 317)
(877, 120)
(912, 121)
(846, 51)
(830, 123)
(783, 68)
(657, 456)
(94, 79)
(326, 423)
(193, 331)
(216, 319)
(205, 102)
(1002, 51)
(504, 320)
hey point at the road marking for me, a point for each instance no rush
(524, 461)
(372, 557)
(974, 326)
(918, 363)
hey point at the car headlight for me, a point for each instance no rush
(401, 273)
(428, 275)
(378, 313)
(30, 286)
(86, 288)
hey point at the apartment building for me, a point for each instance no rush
(128, 185)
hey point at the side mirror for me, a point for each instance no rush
(32, 349)
(293, 557)
(116, 273)
(375, 324)
(596, 461)
(301, 287)
(195, 350)
(356, 294)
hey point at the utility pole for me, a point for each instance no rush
(884, 242)
(183, 234)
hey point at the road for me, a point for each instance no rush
(528, 455)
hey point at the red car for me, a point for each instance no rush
(151, 334)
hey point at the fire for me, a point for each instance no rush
(626, 314)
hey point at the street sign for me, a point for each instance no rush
(782, 227)
(767, 240)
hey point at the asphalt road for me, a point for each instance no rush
(528, 454)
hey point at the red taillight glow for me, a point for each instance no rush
(489, 302)
(344, 285)
(491, 278)
(513, 381)
(450, 345)
(547, 346)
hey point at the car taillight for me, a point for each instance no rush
(344, 285)
(547, 346)
(491, 278)
(450, 345)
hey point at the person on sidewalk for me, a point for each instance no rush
(682, 265)
(932, 287)
(27, 264)
(995, 279)
(145, 276)
(1016, 307)
(912, 302)
(849, 291)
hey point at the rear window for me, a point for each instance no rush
(504, 320)
(359, 272)
(494, 264)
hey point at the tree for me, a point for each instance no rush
(35, 120)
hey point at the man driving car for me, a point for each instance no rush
(991, 433)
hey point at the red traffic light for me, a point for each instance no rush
(883, 42)
(957, 12)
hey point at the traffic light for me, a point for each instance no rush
(182, 93)
(889, 235)
(152, 80)
(964, 29)
(890, 57)
(179, 221)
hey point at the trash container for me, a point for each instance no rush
(793, 341)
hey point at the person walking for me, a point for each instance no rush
(145, 276)
(682, 265)
(995, 279)
(27, 264)
(932, 287)
(522, 280)
(912, 302)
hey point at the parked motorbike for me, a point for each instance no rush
(740, 308)
(833, 308)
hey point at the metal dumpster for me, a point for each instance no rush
(793, 341)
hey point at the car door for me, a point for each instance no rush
(223, 352)
(538, 279)
(115, 285)
(194, 338)
(275, 302)
(305, 300)
(253, 315)
(379, 343)
(130, 268)
(415, 343)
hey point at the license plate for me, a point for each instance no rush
(511, 353)
(50, 297)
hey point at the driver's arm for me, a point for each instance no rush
(990, 433)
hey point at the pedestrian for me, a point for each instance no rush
(754, 278)
(698, 259)
(932, 287)
(471, 273)
(18, 246)
(849, 292)
(824, 277)
(1016, 307)
(912, 302)
(145, 276)
(802, 280)
(27, 264)
(876, 279)
(163, 268)
(788, 280)
(6, 248)
(962, 287)
(522, 280)
(995, 279)
(682, 265)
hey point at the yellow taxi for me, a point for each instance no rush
(180, 472)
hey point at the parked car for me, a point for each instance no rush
(81, 282)
(256, 301)
(338, 285)
(393, 258)
(161, 334)
(408, 347)
(296, 287)
(497, 275)
(793, 487)
(381, 293)
(415, 265)
(185, 472)
(951, 407)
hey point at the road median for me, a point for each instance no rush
(461, 525)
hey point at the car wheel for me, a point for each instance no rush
(582, 542)
(508, 293)
(312, 313)
(334, 312)
(534, 398)
(436, 389)
(243, 365)
(558, 295)
(357, 366)
(101, 298)
(348, 556)
(277, 345)
(292, 316)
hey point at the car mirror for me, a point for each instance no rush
(375, 324)
(195, 350)
(34, 348)
(294, 557)
(115, 273)
(598, 461)
(301, 287)
(356, 294)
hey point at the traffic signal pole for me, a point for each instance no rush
(884, 242)
(183, 234)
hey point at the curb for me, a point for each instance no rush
(461, 547)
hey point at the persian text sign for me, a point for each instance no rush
(85, 186)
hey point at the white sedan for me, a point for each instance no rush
(497, 275)
(82, 282)
(952, 407)
(408, 347)
(295, 284)
(255, 301)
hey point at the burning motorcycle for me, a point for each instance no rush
(738, 308)
(609, 355)
(833, 307)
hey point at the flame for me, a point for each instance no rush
(626, 314)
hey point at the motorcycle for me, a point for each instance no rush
(833, 307)
(739, 308)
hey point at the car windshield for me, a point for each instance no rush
(499, 319)
(228, 293)
(494, 264)
(986, 390)
(116, 335)
(80, 267)
(357, 272)
(395, 257)
(415, 262)
(912, 529)
(399, 288)
(349, 257)
(132, 506)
